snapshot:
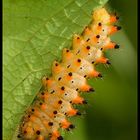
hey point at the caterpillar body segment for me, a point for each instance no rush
(53, 106)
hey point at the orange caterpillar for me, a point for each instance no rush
(50, 110)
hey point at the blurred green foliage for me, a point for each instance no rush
(112, 111)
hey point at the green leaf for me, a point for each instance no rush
(35, 32)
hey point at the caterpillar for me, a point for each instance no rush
(54, 104)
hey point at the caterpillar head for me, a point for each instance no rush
(101, 15)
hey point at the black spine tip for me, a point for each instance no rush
(100, 75)
(60, 102)
(71, 126)
(62, 88)
(79, 60)
(117, 46)
(88, 47)
(60, 138)
(84, 102)
(18, 136)
(119, 27)
(55, 112)
(50, 123)
(78, 113)
(38, 132)
(117, 17)
(108, 62)
(91, 89)
(70, 73)
(97, 36)
(47, 78)
(42, 93)
(100, 24)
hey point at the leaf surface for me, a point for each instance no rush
(35, 32)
